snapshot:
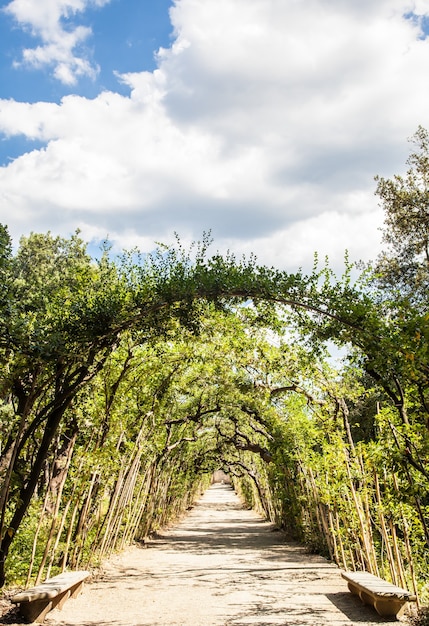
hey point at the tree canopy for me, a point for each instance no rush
(404, 265)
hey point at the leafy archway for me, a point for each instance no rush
(127, 381)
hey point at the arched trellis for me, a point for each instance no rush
(56, 340)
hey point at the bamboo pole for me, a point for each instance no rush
(385, 533)
(124, 496)
(36, 538)
(69, 535)
(340, 540)
(367, 543)
(124, 501)
(405, 529)
(144, 499)
(397, 553)
(80, 533)
(137, 511)
(55, 514)
(368, 481)
(58, 537)
(321, 518)
(359, 558)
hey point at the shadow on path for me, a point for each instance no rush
(221, 565)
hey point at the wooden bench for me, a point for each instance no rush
(36, 602)
(387, 599)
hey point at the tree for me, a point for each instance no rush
(52, 284)
(404, 267)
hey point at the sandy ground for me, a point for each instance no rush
(221, 565)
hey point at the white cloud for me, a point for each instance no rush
(45, 20)
(265, 122)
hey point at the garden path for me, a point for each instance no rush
(220, 565)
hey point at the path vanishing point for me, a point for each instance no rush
(221, 565)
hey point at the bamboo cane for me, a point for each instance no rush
(367, 544)
(35, 539)
(55, 514)
(408, 549)
(385, 533)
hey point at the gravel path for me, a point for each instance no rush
(221, 565)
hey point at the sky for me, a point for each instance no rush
(263, 122)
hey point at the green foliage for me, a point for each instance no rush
(404, 266)
(127, 381)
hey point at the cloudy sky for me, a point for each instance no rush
(264, 121)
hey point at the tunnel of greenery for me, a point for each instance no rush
(127, 381)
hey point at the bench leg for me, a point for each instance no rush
(60, 600)
(389, 608)
(353, 588)
(76, 589)
(35, 611)
(366, 598)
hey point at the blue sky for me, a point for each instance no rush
(263, 121)
(125, 37)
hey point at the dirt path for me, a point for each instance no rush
(222, 565)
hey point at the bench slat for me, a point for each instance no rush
(378, 586)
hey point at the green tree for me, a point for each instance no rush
(60, 307)
(404, 266)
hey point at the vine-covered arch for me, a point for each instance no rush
(127, 381)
